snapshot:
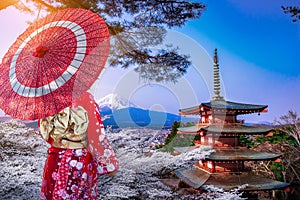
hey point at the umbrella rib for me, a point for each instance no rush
(85, 32)
(2, 90)
(21, 92)
(6, 56)
(81, 62)
(85, 72)
(12, 74)
(25, 57)
(11, 95)
(66, 41)
(89, 54)
(52, 95)
(63, 35)
(53, 40)
(65, 31)
(49, 19)
(71, 89)
(2, 75)
(26, 104)
(43, 108)
(59, 64)
(80, 17)
(50, 38)
(90, 25)
(62, 60)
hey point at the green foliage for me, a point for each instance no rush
(183, 140)
(177, 140)
(197, 137)
(247, 140)
(173, 132)
(260, 139)
(277, 168)
(167, 147)
(188, 124)
(280, 136)
(283, 142)
(277, 137)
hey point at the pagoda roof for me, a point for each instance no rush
(195, 110)
(240, 154)
(185, 149)
(194, 178)
(253, 181)
(190, 129)
(235, 128)
(225, 128)
(197, 178)
(228, 105)
(239, 108)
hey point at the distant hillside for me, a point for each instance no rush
(262, 124)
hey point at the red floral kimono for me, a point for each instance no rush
(79, 152)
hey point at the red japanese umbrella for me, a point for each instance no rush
(54, 61)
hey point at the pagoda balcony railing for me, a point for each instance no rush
(202, 124)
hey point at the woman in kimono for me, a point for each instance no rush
(79, 152)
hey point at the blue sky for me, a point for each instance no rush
(256, 31)
(258, 48)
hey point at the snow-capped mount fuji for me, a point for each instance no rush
(115, 102)
(118, 112)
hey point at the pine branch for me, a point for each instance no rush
(7, 3)
(49, 7)
(294, 12)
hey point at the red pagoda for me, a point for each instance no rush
(219, 127)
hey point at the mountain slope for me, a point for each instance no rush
(120, 113)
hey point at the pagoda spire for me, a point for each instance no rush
(216, 78)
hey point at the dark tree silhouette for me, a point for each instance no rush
(137, 28)
(294, 11)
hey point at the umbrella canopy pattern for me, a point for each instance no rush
(54, 61)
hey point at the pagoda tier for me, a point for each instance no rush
(197, 178)
(233, 159)
(225, 129)
(223, 106)
(228, 135)
(235, 129)
(240, 154)
(221, 111)
(222, 135)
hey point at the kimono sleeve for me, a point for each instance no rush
(98, 144)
